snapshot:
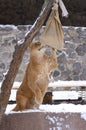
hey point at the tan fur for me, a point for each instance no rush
(32, 90)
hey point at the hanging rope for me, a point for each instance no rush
(63, 8)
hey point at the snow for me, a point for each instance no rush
(64, 108)
(27, 33)
(65, 95)
(8, 26)
(53, 108)
(83, 116)
(10, 107)
(21, 41)
(13, 95)
(50, 119)
(72, 83)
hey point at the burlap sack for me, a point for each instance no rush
(53, 33)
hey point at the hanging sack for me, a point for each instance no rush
(53, 34)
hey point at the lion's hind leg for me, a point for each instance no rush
(21, 103)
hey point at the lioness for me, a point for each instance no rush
(35, 83)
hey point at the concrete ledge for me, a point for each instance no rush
(55, 84)
(44, 121)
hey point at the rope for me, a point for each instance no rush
(63, 8)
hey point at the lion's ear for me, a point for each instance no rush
(35, 45)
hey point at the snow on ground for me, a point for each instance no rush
(63, 107)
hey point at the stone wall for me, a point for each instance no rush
(72, 60)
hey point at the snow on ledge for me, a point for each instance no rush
(68, 83)
(8, 26)
(83, 116)
(58, 83)
(61, 108)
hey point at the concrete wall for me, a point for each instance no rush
(72, 60)
(44, 121)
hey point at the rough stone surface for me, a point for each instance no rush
(76, 68)
(72, 60)
(81, 49)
